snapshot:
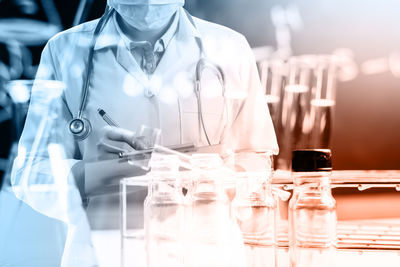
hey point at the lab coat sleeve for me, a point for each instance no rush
(41, 174)
(252, 128)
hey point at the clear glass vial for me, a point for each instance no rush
(255, 211)
(312, 210)
(215, 241)
(164, 211)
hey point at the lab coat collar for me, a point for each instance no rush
(186, 28)
(180, 43)
(128, 62)
(109, 35)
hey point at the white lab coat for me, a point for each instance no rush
(117, 85)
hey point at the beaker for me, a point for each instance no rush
(255, 211)
(148, 137)
(145, 139)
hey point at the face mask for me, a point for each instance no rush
(146, 15)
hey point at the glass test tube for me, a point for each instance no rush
(272, 74)
(322, 101)
(294, 122)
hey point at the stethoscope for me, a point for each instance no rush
(80, 127)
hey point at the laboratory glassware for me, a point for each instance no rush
(133, 191)
(322, 101)
(163, 210)
(145, 141)
(273, 73)
(215, 238)
(255, 211)
(41, 175)
(312, 210)
(293, 126)
(43, 141)
(149, 137)
(20, 93)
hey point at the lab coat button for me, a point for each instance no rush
(150, 66)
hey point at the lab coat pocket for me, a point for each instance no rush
(213, 114)
(209, 105)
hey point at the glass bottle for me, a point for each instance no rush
(312, 210)
(215, 242)
(163, 211)
(255, 212)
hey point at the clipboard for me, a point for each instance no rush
(127, 166)
(108, 172)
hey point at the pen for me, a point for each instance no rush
(107, 118)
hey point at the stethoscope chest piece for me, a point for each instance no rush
(80, 128)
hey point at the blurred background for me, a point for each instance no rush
(366, 117)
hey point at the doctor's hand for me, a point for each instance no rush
(115, 140)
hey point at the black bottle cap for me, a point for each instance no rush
(311, 160)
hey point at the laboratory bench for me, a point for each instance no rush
(107, 244)
(368, 209)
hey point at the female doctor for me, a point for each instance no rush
(146, 62)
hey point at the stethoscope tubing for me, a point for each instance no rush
(89, 67)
